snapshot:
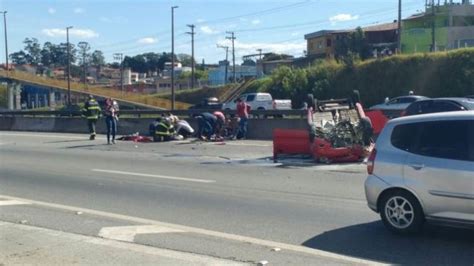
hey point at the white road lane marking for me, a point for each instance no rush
(53, 135)
(12, 202)
(154, 176)
(183, 258)
(128, 233)
(233, 237)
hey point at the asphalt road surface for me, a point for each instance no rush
(223, 200)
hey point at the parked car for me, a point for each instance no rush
(208, 104)
(398, 103)
(439, 105)
(422, 168)
(259, 101)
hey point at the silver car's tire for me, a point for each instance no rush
(401, 212)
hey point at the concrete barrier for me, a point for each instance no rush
(257, 128)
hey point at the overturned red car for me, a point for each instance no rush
(338, 131)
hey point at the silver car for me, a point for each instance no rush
(422, 168)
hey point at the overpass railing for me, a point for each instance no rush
(154, 113)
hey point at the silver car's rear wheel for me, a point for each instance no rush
(401, 212)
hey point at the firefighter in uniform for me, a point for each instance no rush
(163, 130)
(92, 112)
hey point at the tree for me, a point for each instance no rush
(98, 60)
(33, 51)
(186, 60)
(84, 54)
(19, 58)
(353, 45)
(273, 56)
(48, 54)
(164, 57)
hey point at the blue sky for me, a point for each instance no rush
(136, 26)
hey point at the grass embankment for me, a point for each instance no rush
(441, 74)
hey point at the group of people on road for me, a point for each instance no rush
(211, 126)
(217, 126)
(92, 112)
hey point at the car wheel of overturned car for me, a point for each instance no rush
(401, 212)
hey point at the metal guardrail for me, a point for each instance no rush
(139, 113)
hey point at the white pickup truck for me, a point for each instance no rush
(259, 101)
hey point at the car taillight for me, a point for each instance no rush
(371, 161)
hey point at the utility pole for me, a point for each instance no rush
(433, 27)
(226, 61)
(192, 54)
(6, 40)
(68, 67)
(232, 37)
(84, 47)
(399, 40)
(172, 57)
(119, 57)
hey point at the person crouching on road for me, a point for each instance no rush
(92, 112)
(210, 125)
(111, 118)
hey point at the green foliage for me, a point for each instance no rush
(199, 75)
(443, 74)
(3, 96)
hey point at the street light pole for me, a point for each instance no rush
(68, 68)
(172, 57)
(6, 40)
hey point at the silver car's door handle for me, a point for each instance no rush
(417, 166)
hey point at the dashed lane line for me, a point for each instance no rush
(233, 237)
(154, 176)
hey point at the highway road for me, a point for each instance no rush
(223, 200)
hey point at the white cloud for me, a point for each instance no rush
(147, 40)
(256, 21)
(242, 48)
(79, 33)
(51, 10)
(243, 19)
(200, 20)
(208, 30)
(295, 33)
(78, 10)
(342, 17)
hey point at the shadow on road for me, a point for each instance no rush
(433, 246)
(66, 141)
(86, 146)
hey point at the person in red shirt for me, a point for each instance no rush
(243, 110)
